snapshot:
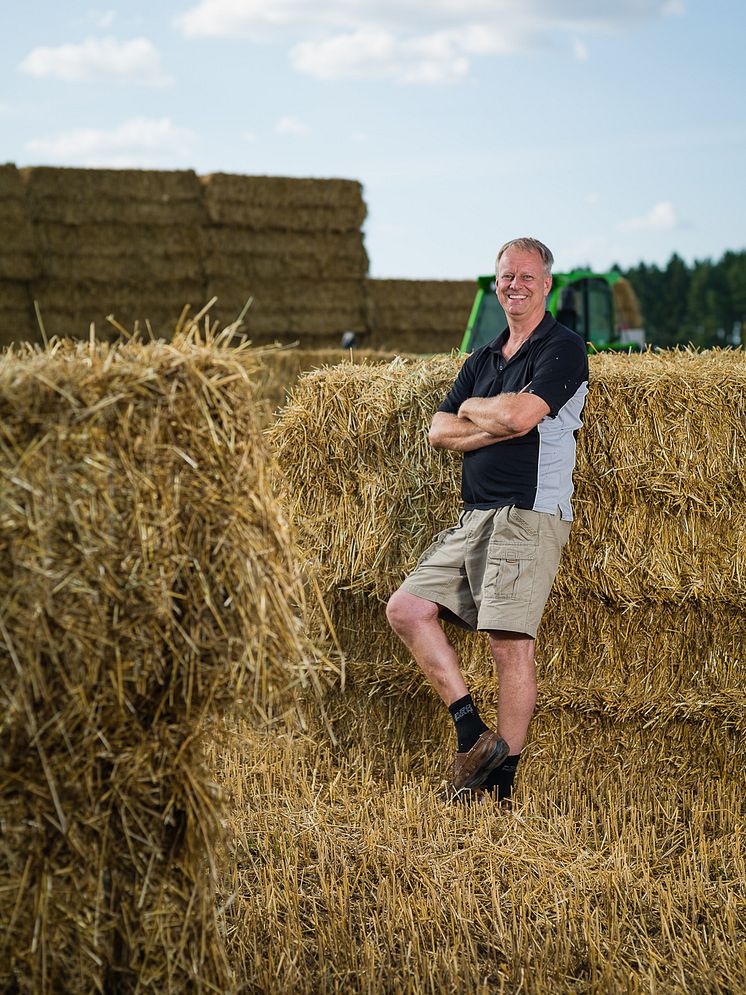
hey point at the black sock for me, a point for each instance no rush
(502, 777)
(469, 727)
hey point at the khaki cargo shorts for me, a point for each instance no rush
(493, 570)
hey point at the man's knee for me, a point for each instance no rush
(405, 611)
(511, 649)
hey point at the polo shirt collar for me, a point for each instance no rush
(540, 332)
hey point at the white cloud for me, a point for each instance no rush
(416, 41)
(661, 217)
(290, 125)
(98, 59)
(580, 50)
(137, 143)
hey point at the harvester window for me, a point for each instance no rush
(600, 312)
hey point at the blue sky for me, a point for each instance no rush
(615, 132)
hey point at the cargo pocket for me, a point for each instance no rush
(509, 572)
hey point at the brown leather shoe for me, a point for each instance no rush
(471, 769)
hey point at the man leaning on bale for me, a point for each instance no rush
(513, 411)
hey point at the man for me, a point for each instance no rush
(513, 411)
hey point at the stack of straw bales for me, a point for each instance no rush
(641, 649)
(149, 588)
(292, 246)
(121, 242)
(18, 261)
(419, 316)
(626, 304)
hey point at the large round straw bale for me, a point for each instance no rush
(148, 587)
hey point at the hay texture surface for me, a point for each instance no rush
(147, 587)
(292, 246)
(18, 258)
(348, 879)
(419, 316)
(121, 242)
(645, 626)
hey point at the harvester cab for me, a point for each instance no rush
(601, 307)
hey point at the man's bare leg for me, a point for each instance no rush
(415, 621)
(513, 654)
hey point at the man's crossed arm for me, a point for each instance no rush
(482, 421)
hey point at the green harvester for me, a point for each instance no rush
(601, 307)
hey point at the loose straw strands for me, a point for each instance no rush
(148, 586)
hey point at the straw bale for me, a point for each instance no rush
(18, 259)
(284, 204)
(152, 185)
(121, 196)
(626, 304)
(258, 217)
(278, 191)
(18, 326)
(281, 294)
(19, 265)
(660, 481)
(282, 367)
(599, 880)
(76, 323)
(425, 316)
(284, 256)
(149, 585)
(117, 240)
(14, 295)
(105, 296)
(16, 234)
(12, 193)
(131, 269)
(405, 295)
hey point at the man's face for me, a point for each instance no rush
(522, 285)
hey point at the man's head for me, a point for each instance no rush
(523, 280)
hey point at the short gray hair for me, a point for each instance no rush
(528, 245)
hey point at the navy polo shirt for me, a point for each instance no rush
(533, 471)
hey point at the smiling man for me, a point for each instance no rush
(513, 412)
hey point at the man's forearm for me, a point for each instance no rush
(458, 434)
(505, 416)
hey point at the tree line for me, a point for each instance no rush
(703, 304)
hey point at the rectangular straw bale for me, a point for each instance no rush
(12, 191)
(124, 196)
(104, 296)
(425, 316)
(283, 203)
(18, 258)
(18, 326)
(124, 270)
(115, 240)
(312, 218)
(284, 256)
(396, 295)
(664, 668)
(277, 191)
(282, 294)
(662, 432)
(148, 578)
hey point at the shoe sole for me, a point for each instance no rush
(480, 775)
